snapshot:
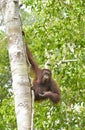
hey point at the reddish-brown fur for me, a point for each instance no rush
(44, 88)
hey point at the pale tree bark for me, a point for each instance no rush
(19, 68)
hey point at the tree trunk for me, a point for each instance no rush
(19, 69)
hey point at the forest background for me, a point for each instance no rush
(55, 32)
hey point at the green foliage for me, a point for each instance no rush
(7, 115)
(5, 74)
(28, 2)
(57, 28)
(62, 116)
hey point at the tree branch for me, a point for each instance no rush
(66, 61)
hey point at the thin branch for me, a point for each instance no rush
(32, 119)
(66, 61)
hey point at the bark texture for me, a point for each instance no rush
(19, 69)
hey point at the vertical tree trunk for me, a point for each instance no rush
(19, 69)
